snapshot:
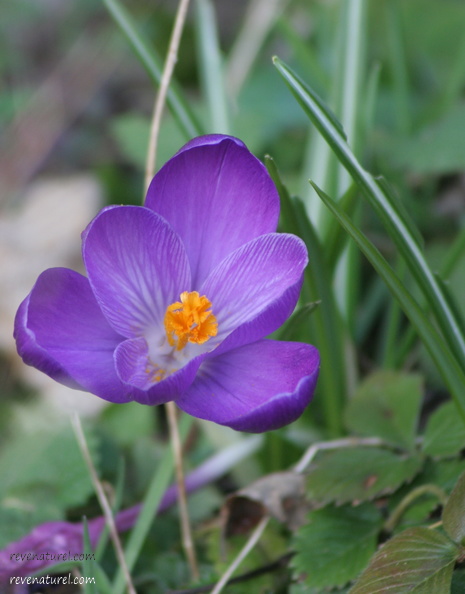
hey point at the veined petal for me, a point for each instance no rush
(255, 289)
(148, 381)
(60, 330)
(137, 266)
(217, 196)
(257, 387)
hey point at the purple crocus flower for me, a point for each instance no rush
(179, 296)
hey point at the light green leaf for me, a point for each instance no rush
(387, 404)
(359, 474)
(453, 516)
(445, 432)
(418, 560)
(50, 462)
(336, 544)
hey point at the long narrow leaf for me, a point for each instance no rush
(153, 65)
(325, 320)
(210, 66)
(392, 213)
(451, 373)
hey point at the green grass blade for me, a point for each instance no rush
(88, 565)
(211, 67)
(158, 486)
(325, 320)
(391, 211)
(450, 371)
(398, 63)
(153, 65)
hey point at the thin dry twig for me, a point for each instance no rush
(182, 497)
(276, 565)
(249, 545)
(299, 468)
(170, 62)
(345, 442)
(103, 501)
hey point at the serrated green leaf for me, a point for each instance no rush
(387, 404)
(418, 560)
(444, 433)
(453, 516)
(359, 474)
(336, 544)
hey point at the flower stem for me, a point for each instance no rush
(187, 541)
(170, 61)
(249, 545)
(110, 521)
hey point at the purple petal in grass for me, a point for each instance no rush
(64, 538)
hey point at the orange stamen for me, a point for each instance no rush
(190, 320)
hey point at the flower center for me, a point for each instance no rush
(190, 320)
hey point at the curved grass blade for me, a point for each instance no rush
(325, 320)
(447, 365)
(153, 65)
(391, 211)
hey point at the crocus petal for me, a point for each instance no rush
(137, 266)
(257, 387)
(217, 196)
(61, 330)
(256, 288)
(135, 369)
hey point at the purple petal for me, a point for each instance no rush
(257, 387)
(58, 538)
(60, 330)
(137, 266)
(55, 538)
(135, 368)
(217, 196)
(255, 289)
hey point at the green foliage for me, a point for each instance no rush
(453, 517)
(444, 433)
(336, 544)
(417, 560)
(359, 474)
(387, 404)
(43, 474)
